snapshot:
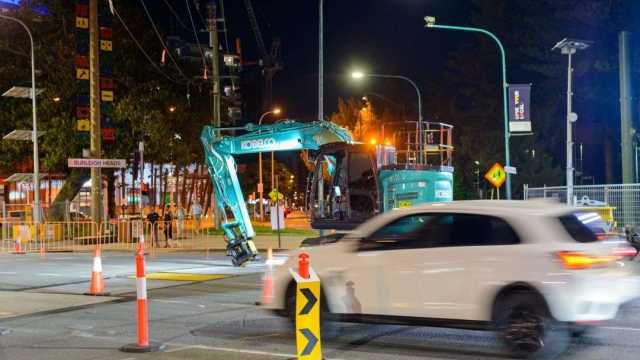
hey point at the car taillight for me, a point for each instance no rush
(578, 260)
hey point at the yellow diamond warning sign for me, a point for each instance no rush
(496, 175)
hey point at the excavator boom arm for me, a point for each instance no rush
(219, 151)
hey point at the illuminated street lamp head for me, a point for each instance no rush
(56, 99)
(172, 108)
(430, 20)
(277, 111)
(357, 75)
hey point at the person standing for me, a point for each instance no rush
(168, 226)
(152, 218)
(180, 216)
(196, 211)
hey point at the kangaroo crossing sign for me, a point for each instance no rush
(496, 175)
(308, 343)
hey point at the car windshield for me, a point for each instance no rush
(585, 226)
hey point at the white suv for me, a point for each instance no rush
(534, 271)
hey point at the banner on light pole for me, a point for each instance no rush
(519, 112)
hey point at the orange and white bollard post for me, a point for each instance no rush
(303, 265)
(17, 248)
(267, 280)
(143, 345)
(96, 287)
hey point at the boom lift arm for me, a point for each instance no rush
(286, 135)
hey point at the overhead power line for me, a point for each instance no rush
(175, 13)
(224, 18)
(195, 34)
(155, 29)
(153, 63)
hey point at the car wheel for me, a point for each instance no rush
(527, 328)
(578, 331)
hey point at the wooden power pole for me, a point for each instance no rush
(215, 76)
(94, 105)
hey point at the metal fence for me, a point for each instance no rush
(620, 203)
(125, 234)
(115, 234)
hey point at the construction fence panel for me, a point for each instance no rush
(123, 234)
(622, 201)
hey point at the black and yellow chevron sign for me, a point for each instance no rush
(496, 175)
(308, 342)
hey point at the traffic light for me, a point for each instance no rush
(134, 159)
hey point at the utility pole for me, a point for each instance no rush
(215, 73)
(94, 104)
(627, 131)
(215, 77)
(321, 93)
(321, 65)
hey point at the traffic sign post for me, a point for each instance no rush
(308, 344)
(496, 176)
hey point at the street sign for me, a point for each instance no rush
(496, 175)
(308, 342)
(97, 163)
(511, 170)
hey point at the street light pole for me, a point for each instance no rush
(36, 158)
(430, 20)
(260, 183)
(569, 47)
(359, 75)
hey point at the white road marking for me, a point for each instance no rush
(623, 328)
(48, 274)
(172, 301)
(237, 351)
(181, 347)
(8, 273)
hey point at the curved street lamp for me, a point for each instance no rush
(358, 75)
(275, 111)
(34, 138)
(431, 23)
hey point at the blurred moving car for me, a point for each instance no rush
(536, 272)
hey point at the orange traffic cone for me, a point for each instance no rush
(17, 249)
(96, 288)
(267, 286)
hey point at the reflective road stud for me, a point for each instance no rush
(308, 342)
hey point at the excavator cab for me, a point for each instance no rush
(344, 186)
(353, 182)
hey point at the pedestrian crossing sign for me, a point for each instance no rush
(496, 175)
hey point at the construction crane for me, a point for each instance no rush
(271, 60)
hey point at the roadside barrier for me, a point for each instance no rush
(143, 345)
(308, 343)
(121, 234)
(96, 287)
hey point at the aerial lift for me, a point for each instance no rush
(350, 183)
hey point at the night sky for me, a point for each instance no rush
(389, 37)
(382, 36)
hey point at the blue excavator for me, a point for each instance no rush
(350, 181)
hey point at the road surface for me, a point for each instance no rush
(44, 317)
